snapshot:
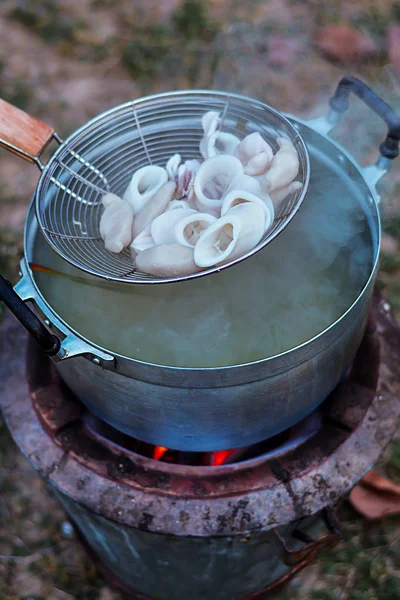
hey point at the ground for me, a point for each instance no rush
(66, 62)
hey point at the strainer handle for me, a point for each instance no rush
(22, 134)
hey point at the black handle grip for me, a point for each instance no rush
(49, 343)
(340, 102)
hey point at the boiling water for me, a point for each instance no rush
(289, 292)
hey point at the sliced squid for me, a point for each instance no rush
(220, 142)
(216, 142)
(189, 229)
(174, 204)
(154, 207)
(192, 215)
(284, 166)
(116, 223)
(238, 197)
(167, 260)
(209, 122)
(163, 227)
(213, 179)
(141, 242)
(143, 185)
(245, 182)
(172, 166)
(278, 196)
(247, 189)
(230, 236)
(255, 154)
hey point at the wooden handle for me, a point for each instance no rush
(22, 134)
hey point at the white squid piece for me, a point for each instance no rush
(143, 185)
(172, 166)
(231, 236)
(154, 207)
(247, 189)
(163, 227)
(141, 242)
(284, 166)
(174, 204)
(116, 223)
(213, 179)
(216, 142)
(167, 260)
(189, 229)
(245, 182)
(220, 142)
(209, 122)
(255, 154)
(279, 195)
(239, 197)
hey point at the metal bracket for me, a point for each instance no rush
(311, 548)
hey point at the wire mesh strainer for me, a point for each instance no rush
(102, 156)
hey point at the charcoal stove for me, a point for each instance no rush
(230, 525)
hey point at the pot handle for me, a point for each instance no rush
(49, 343)
(339, 103)
(69, 345)
(24, 135)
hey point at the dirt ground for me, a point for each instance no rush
(65, 62)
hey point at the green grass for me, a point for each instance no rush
(392, 225)
(377, 19)
(365, 565)
(5, 440)
(176, 48)
(84, 584)
(14, 91)
(46, 19)
(191, 21)
(144, 55)
(11, 251)
(393, 466)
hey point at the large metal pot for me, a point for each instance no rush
(218, 408)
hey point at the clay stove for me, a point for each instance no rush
(215, 526)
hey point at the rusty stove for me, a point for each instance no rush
(230, 525)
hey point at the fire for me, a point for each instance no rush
(215, 459)
(159, 452)
(220, 457)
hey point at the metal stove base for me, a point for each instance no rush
(208, 568)
(168, 532)
(271, 591)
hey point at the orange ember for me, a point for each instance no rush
(159, 452)
(220, 457)
(215, 459)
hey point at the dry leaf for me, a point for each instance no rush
(345, 43)
(375, 496)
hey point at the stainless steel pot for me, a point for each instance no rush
(226, 407)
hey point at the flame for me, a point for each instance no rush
(217, 458)
(159, 452)
(220, 457)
